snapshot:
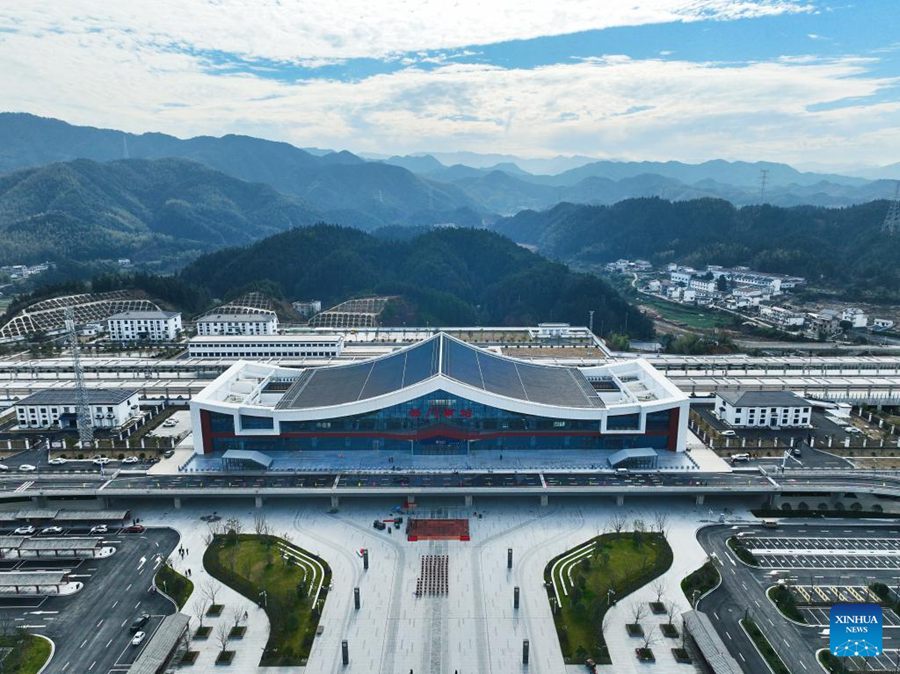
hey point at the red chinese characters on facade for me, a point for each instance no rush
(437, 412)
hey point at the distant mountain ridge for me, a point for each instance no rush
(367, 194)
(136, 208)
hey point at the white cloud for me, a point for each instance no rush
(314, 32)
(613, 106)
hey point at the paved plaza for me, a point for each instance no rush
(473, 628)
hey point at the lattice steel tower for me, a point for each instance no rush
(82, 409)
(892, 220)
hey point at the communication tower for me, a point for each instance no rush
(83, 410)
(892, 219)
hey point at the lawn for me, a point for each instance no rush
(253, 564)
(622, 562)
(174, 584)
(26, 657)
(700, 318)
(700, 581)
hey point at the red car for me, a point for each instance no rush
(135, 529)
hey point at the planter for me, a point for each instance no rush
(634, 630)
(657, 607)
(225, 658)
(203, 632)
(669, 631)
(215, 610)
(189, 658)
(237, 632)
(645, 654)
(682, 656)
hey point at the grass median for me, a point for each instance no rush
(765, 648)
(621, 562)
(289, 582)
(700, 581)
(174, 584)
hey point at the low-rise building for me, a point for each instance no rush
(757, 409)
(265, 323)
(109, 408)
(856, 317)
(154, 326)
(307, 308)
(266, 346)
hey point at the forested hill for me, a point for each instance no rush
(135, 208)
(446, 277)
(842, 248)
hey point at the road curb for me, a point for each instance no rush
(52, 651)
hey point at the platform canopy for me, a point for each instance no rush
(446, 357)
(714, 651)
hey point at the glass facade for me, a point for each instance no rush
(441, 423)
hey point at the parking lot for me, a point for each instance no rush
(888, 661)
(851, 552)
(90, 629)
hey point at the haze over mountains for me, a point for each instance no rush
(71, 192)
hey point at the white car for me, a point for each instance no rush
(99, 529)
(58, 461)
(27, 468)
(27, 530)
(853, 430)
(4, 468)
(728, 434)
(52, 530)
(169, 423)
(130, 459)
(101, 460)
(138, 638)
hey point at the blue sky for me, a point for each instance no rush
(810, 82)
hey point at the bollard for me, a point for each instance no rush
(508, 558)
(525, 652)
(516, 597)
(356, 597)
(345, 653)
(366, 559)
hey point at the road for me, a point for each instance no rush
(91, 629)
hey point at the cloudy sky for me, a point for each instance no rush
(812, 82)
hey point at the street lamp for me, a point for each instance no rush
(694, 597)
(265, 598)
(609, 593)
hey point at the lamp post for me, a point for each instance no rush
(265, 598)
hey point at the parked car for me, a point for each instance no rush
(26, 530)
(101, 460)
(139, 622)
(138, 638)
(169, 423)
(728, 434)
(99, 529)
(27, 468)
(852, 430)
(135, 529)
(52, 530)
(740, 458)
(4, 468)
(378, 524)
(130, 459)
(58, 461)
(169, 453)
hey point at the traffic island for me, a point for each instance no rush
(583, 582)
(175, 586)
(24, 653)
(773, 660)
(700, 582)
(288, 582)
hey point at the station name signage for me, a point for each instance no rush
(440, 412)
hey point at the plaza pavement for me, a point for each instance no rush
(475, 629)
